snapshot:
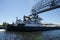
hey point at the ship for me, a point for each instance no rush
(32, 22)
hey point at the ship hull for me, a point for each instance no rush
(30, 29)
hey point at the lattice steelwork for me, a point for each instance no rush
(45, 5)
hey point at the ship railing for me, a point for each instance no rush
(51, 25)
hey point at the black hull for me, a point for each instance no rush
(30, 29)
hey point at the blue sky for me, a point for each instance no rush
(10, 9)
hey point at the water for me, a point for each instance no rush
(46, 35)
(4, 35)
(51, 35)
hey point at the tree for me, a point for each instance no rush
(4, 24)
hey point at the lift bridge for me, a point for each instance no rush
(45, 5)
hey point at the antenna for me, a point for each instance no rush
(16, 18)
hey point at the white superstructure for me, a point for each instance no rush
(29, 21)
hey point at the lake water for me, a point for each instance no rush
(51, 35)
(4, 35)
(46, 35)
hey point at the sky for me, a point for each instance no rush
(10, 9)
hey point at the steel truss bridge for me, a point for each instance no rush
(45, 5)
